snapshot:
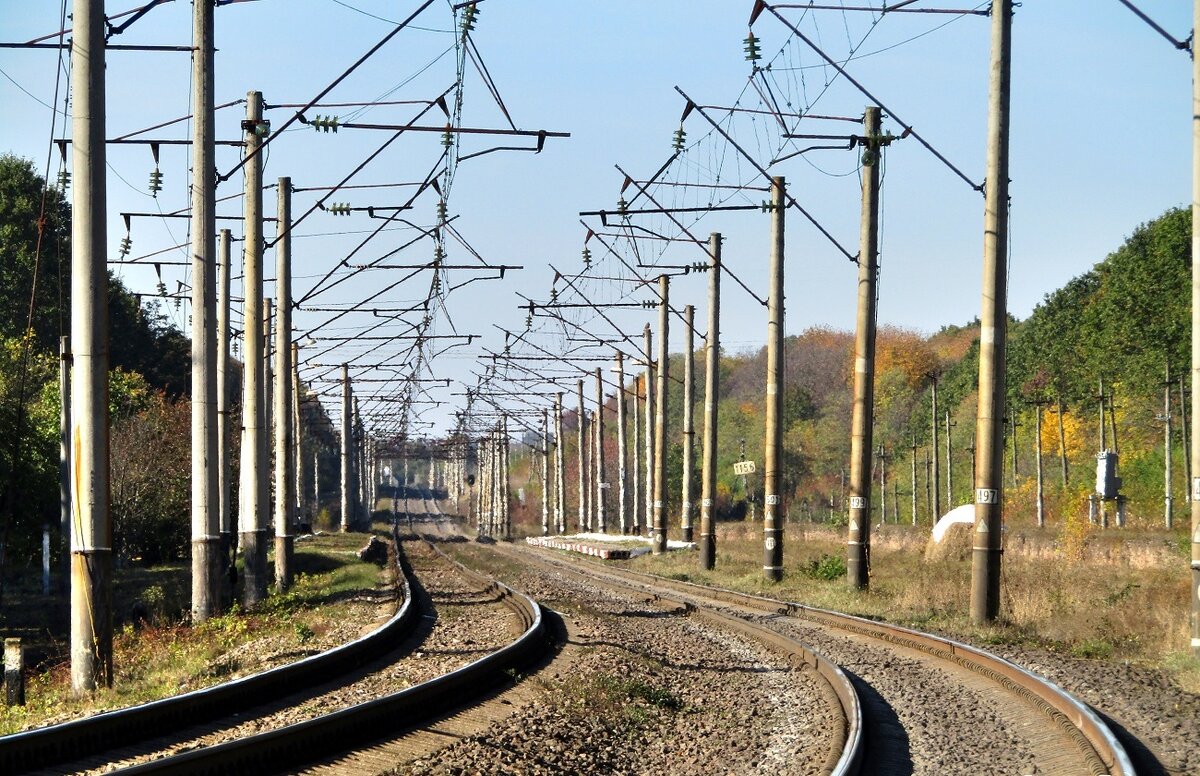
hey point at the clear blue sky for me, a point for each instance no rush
(1100, 141)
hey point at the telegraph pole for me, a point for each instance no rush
(560, 475)
(712, 352)
(255, 463)
(545, 472)
(622, 454)
(689, 399)
(347, 501)
(858, 556)
(649, 429)
(659, 543)
(91, 541)
(1167, 495)
(914, 481)
(579, 422)
(1041, 496)
(601, 516)
(986, 545)
(1195, 427)
(297, 453)
(949, 463)
(772, 530)
(206, 517)
(223, 435)
(285, 442)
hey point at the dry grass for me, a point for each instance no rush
(167, 656)
(1056, 594)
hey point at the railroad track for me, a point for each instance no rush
(120, 735)
(1062, 734)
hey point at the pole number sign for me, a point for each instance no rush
(743, 467)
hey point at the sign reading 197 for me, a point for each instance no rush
(743, 467)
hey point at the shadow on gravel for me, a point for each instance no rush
(1144, 761)
(887, 750)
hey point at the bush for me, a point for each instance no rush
(827, 567)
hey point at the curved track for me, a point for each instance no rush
(1062, 734)
(118, 735)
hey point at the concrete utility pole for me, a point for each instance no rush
(949, 463)
(91, 540)
(580, 420)
(347, 500)
(659, 542)
(268, 393)
(223, 429)
(545, 472)
(206, 517)
(1041, 494)
(858, 555)
(647, 336)
(285, 440)
(601, 484)
(255, 461)
(989, 442)
(622, 453)
(316, 485)
(560, 469)
(935, 478)
(1194, 491)
(297, 454)
(772, 530)
(1168, 516)
(712, 353)
(914, 481)
(689, 399)
(1183, 435)
(64, 458)
(636, 459)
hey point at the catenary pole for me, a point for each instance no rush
(659, 540)
(689, 434)
(635, 457)
(601, 522)
(1168, 496)
(1194, 445)
(772, 528)
(622, 452)
(648, 512)
(580, 422)
(91, 539)
(560, 491)
(206, 517)
(223, 427)
(255, 462)
(346, 499)
(986, 546)
(712, 354)
(285, 462)
(858, 556)
(545, 472)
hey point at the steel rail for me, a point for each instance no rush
(1097, 742)
(77, 739)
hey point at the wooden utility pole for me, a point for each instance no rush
(206, 517)
(91, 540)
(858, 549)
(772, 528)
(659, 539)
(224, 438)
(914, 481)
(712, 354)
(285, 441)
(949, 463)
(1041, 493)
(347, 500)
(622, 452)
(601, 522)
(987, 543)
(1168, 512)
(255, 462)
(689, 399)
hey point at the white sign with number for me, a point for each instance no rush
(743, 467)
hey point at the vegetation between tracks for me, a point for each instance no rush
(161, 655)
